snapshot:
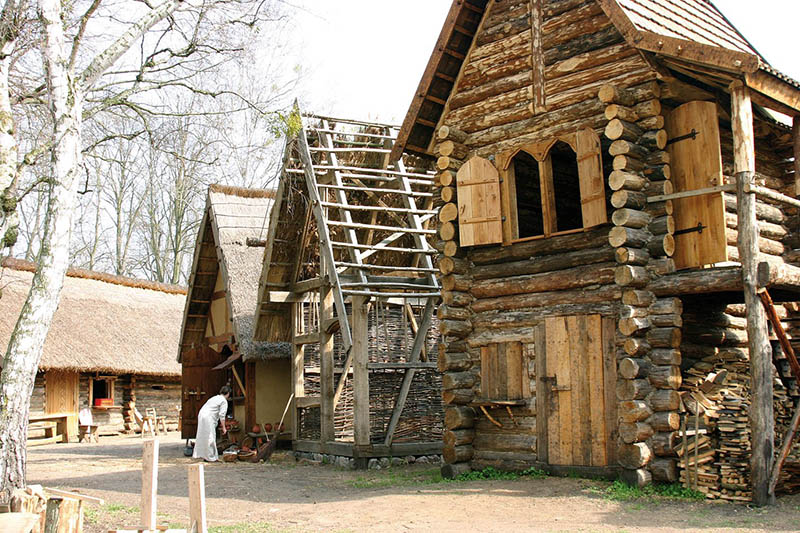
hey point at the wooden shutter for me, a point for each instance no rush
(697, 164)
(504, 372)
(590, 174)
(479, 212)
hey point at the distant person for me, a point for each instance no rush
(212, 413)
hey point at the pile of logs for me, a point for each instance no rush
(649, 372)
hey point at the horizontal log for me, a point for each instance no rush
(662, 225)
(664, 337)
(664, 400)
(657, 172)
(651, 123)
(446, 312)
(541, 264)
(628, 237)
(648, 108)
(630, 368)
(633, 456)
(633, 411)
(453, 362)
(607, 293)
(457, 454)
(450, 249)
(653, 139)
(620, 129)
(458, 380)
(632, 256)
(459, 417)
(458, 437)
(631, 276)
(665, 356)
(447, 194)
(698, 282)
(660, 209)
(666, 306)
(666, 321)
(448, 212)
(456, 298)
(455, 328)
(451, 134)
(665, 421)
(453, 265)
(635, 346)
(782, 276)
(455, 282)
(621, 112)
(627, 163)
(633, 389)
(525, 250)
(666, 377)
(639, 477)
(663, 443)
(620, 179)
(634, 326)
(664, 470)
(633, 311)
(458, 396)
(447, 231)
(505, 442)
(451, 148)
(635, 432)
(627, 148)
(454, 470)
(446, 178)
(571, 278)
(629, 199)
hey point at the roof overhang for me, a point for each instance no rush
(783, 96)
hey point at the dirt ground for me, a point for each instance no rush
(297, 497)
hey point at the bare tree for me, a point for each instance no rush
(80, 87)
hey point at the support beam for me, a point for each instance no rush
(326, 347)
(197, 499)
(298, 366)
(762, 424)
(149, 484)
(360, 352)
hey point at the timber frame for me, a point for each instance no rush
(643, 75)
(348, 279)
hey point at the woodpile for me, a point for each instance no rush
(716, 395)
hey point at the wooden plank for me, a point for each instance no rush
(564, 392)
(479, 209)
(509, 203)
(485, 356)
(298, 367)
(774, 88)
(697, 164)
(553, 337)
(590, 174)
(307, 401)
(501, 372)
(528, 351)
(74, 495)
(326, 349)
(542, 394)
(596, 389)
(360, 353)
(149, 483)
(197, 499)
(549, 215)
(581, 423)
(688, 194)
(514, 369)
(609, 325)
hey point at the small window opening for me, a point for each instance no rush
(157, 387)
(529, 196)
(566, 187)
(101, 389)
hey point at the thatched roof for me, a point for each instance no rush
(104, 323)
(234, 215)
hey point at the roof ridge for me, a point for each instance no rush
(23, 265)
(243, 192)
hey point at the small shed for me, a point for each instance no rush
(617, 203)
(348, 280)
(217, 345)
(109, 346)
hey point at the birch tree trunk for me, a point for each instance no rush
(8, 142)
(66, 92)
(25, 346)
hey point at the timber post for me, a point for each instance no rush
(762, 423)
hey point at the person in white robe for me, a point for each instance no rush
(211, 414)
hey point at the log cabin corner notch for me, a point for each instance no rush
(652, 81)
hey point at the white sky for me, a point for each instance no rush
(366, 57)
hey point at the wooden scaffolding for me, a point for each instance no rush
(348, 278)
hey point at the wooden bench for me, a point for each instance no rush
(56, 426)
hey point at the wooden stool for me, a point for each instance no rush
(88, 433)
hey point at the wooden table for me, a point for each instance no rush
(63, 422)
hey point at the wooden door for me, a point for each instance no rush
(198, 384)
(61, 392)
(576, 387)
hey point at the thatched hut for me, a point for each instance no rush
(108, 347)
(217, 345)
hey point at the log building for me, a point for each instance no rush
(109, 347)
(616, 204)
(217, 345)
(348, 279)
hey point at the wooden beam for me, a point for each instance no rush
(539, 103)
(197, 499)
(401, 366)
(326, 349)
(360, 353)
(774, 88)
(239, 381)
(298, 367)
(762, 422)
(149, 483)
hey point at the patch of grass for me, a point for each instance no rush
(116, 508)
(395, 477)
(622, 492)
(491, 473)
(247, 527)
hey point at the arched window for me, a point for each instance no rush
(553, 187)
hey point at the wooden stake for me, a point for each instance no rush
(762, 422)
(197, 499)
(360, 353)
(149, 483)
